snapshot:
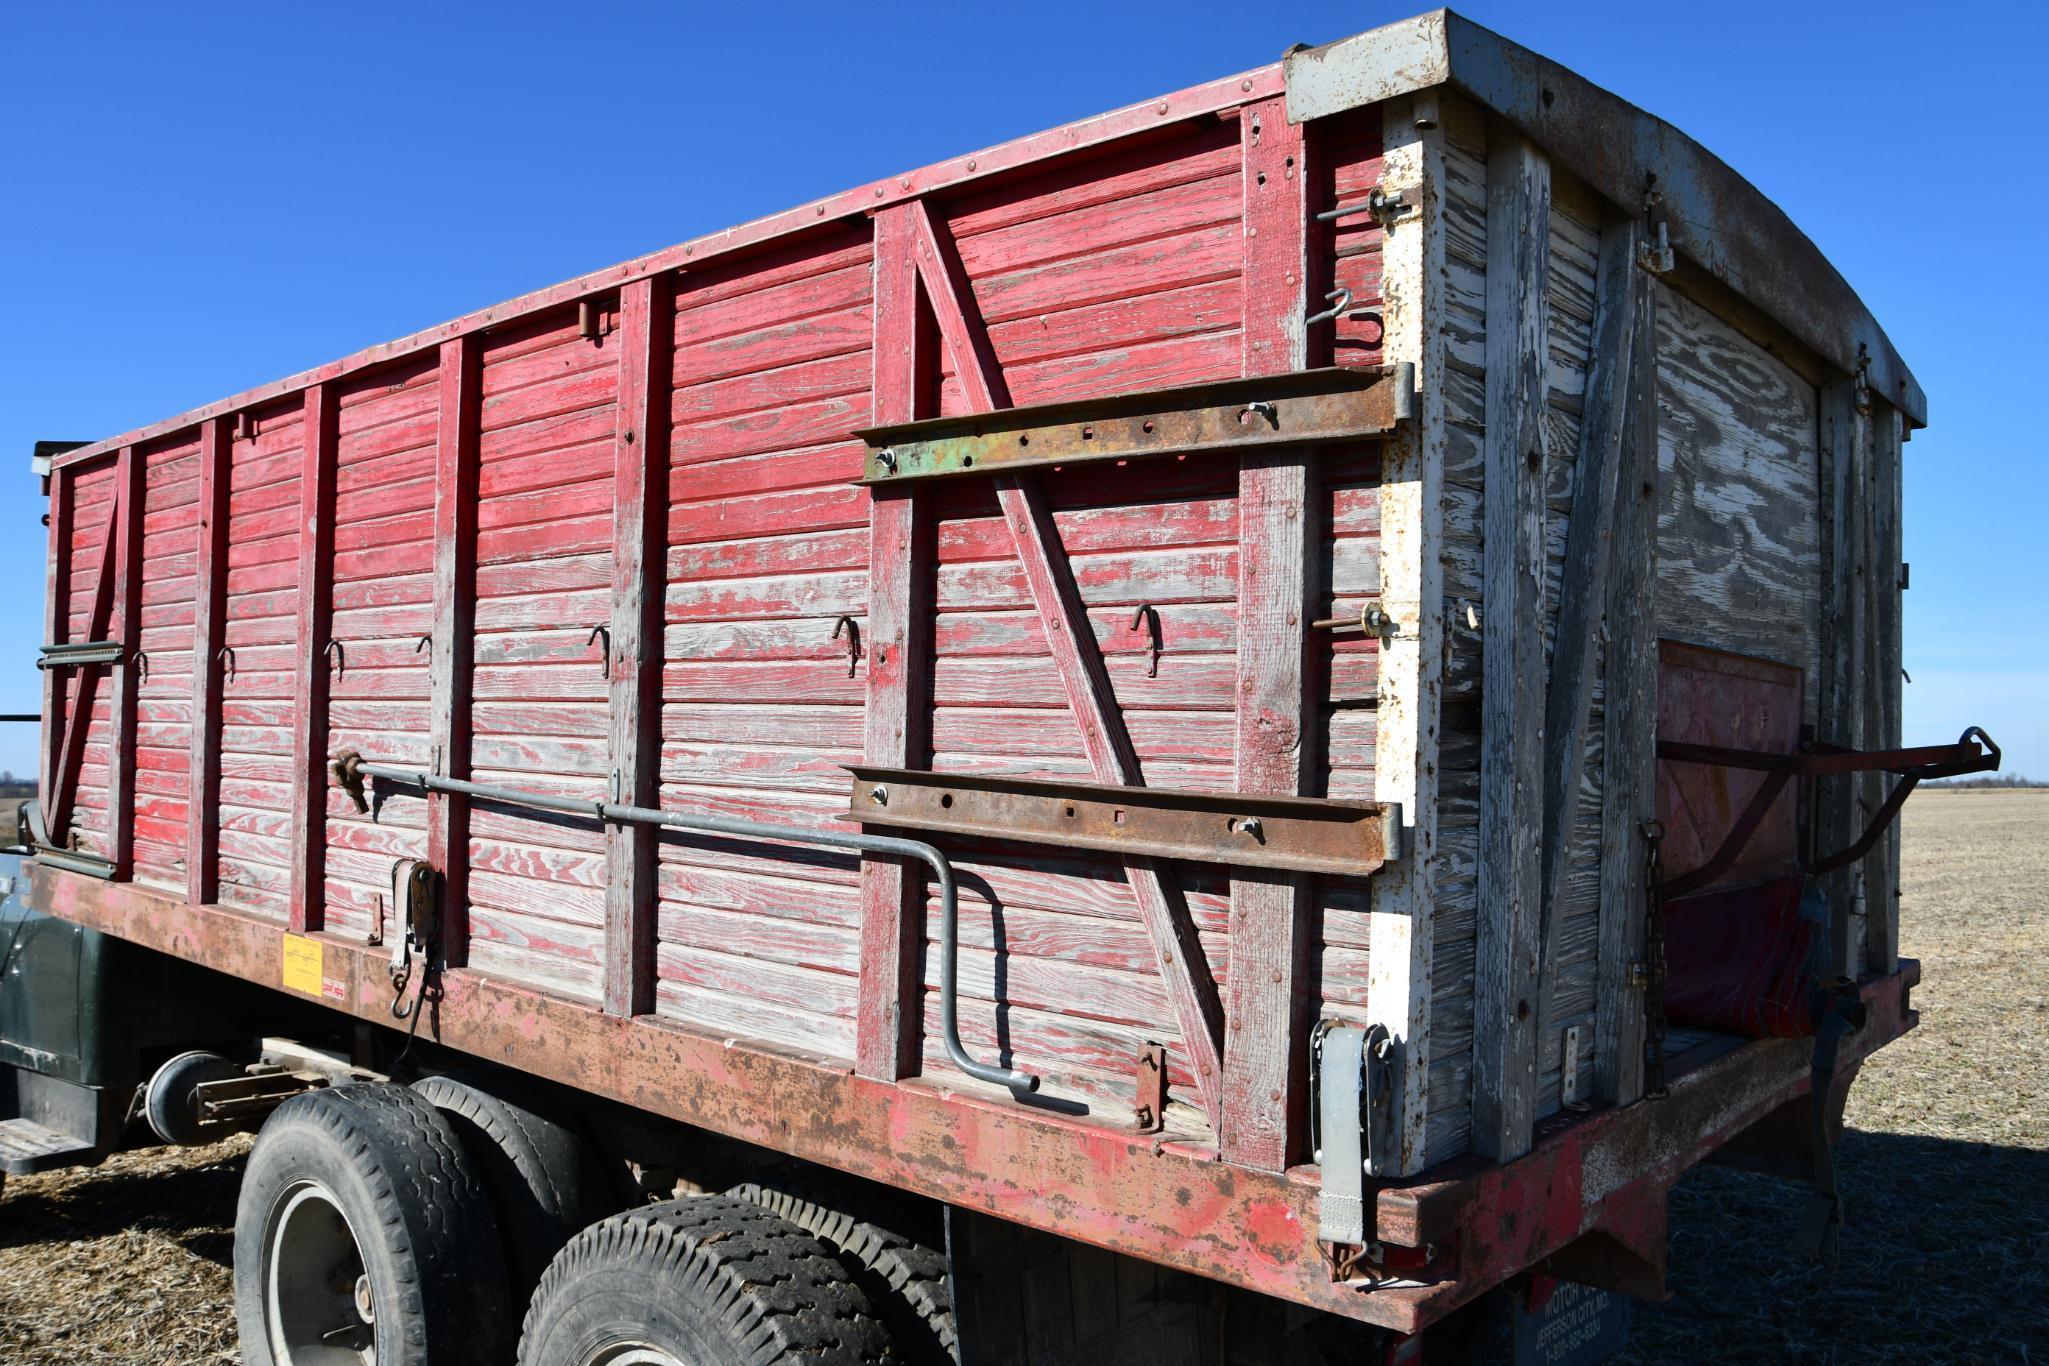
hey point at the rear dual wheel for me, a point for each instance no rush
(705, 1281)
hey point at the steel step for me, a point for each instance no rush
(27, 1147)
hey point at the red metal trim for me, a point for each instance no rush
(455, 563)
(320, 425)
(1266, 1042)
(209, 615)
(899, 642)
(1162, 1202)
(1611, 1170)
(1132, 121)
(640, 502)
(126, 546)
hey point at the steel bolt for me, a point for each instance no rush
(880, 795)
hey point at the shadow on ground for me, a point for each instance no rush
(1945, 1258)
(194, 1206)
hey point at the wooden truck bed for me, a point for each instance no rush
(704, 532)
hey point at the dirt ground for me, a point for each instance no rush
(1945, 1168)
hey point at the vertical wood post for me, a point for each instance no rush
(1629, 726)
(1400, 933)
(124, 562)
(899, 625)
(640, 500)
(319, 422)
(1845, 440)
(1512, 636)
(1881, 865)
(455, 566)
(209, 618)
(1622, 307)
(1267, 1010)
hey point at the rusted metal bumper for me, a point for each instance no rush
(1588, 1201)
(1444, 1238)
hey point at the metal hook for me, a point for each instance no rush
(1344, 302)
(1147, 613)
(226, 654)
(606, 632)
(853, 630)
(141, 667)
(425, 641)
(333, 650)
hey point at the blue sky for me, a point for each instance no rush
(195, 199)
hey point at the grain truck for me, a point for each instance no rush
(1233, 731)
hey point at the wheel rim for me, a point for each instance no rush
(318, 1306)
(632, 1354)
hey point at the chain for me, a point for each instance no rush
(1654, 961)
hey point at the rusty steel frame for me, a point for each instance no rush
(1238, 829)
(1603, 1174)
(1291, 409)
(1815, 760)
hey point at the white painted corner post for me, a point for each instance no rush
(1400, 930)
(1506, 967)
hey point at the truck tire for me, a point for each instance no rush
(907, 1279)
(704, 1280)
(540, 1179)
(362, 1227)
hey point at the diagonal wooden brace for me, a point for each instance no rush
(1071, 640)
(1072, 643)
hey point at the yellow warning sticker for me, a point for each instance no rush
(302, 964)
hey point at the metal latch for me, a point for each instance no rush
(416, 899)
(1352, 1077)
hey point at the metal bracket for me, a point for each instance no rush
(1150, 1111)
(1352, 1081)
(416, 898)
(1237, 829)
(1568, 1072)
(1383, 207)
(76, 654)
(1303, 407)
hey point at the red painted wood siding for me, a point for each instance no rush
(1111, 275)
(163, 708)
(91, 553)
(1112, 270)
(259, 633)
(767, 549)
(1351, 163)
(378, 674)
(540, 694)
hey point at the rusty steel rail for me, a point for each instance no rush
(351, 768)
(1819, 761)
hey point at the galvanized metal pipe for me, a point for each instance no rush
(942, 871)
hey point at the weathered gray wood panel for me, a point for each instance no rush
(1739, 516)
